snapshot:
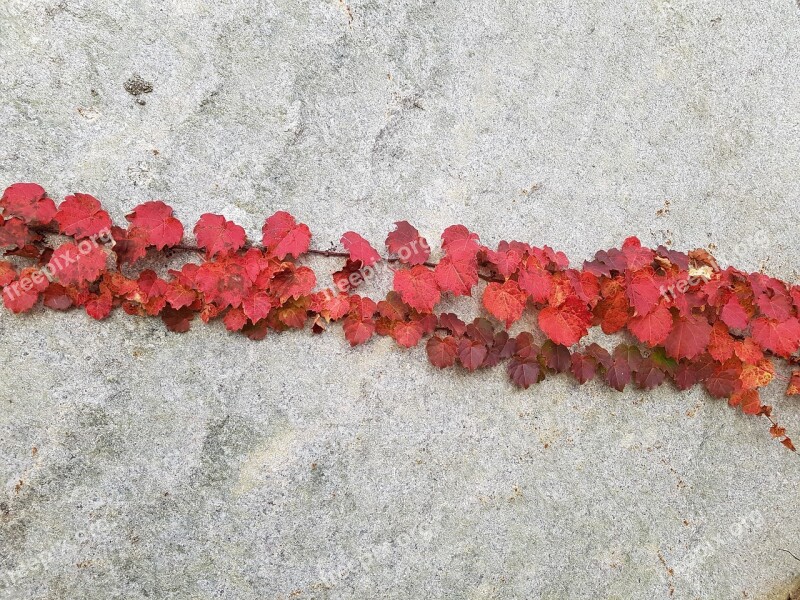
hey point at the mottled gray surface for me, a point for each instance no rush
(142, 464)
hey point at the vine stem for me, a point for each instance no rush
(313, 251)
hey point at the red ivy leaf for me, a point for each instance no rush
(643, 291)
(504, 301)
(442, 351)
(457, 276)
(535, 280)
(216, 234)
(583, 367)
(471, 353)
(689, 337)
(7, 273)
(178, 295)
(156, 220)
(223, 283)
(618, 374)
(129, 246)
(782, 338)
(256, 305)
(282, 235)
(733, 315)
(99, 306)
(408, 334)
(724, 381)
(29, 202)
(652, 328)
(77, 263)
(18, 299)
(506, 259)
(524, 372)
(234, 319)
(406, 242)
(417, 287)
(178, 321)
(358, 330)
(568, 323)
(14, 233)
(293, 283)
(459, 243)
(360, 249)
(56, 297)
(81, 215)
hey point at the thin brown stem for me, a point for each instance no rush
(313, 251)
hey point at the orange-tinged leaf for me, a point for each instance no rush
(749, 400)
(407, 334)
(747, 350)
(794, 384)
(292, 283)
(721, 344)
(99, 306)
(613, 312)
(757, 375)
(504, 301)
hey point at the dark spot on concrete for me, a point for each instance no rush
(136, 86)
(209, 99)
(52, 11)
(4, 509)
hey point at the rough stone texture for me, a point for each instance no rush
(142, 464)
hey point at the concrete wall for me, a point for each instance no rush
(142, 464)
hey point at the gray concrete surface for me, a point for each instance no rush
(141, 464)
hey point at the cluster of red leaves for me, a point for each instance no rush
(687, 320)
